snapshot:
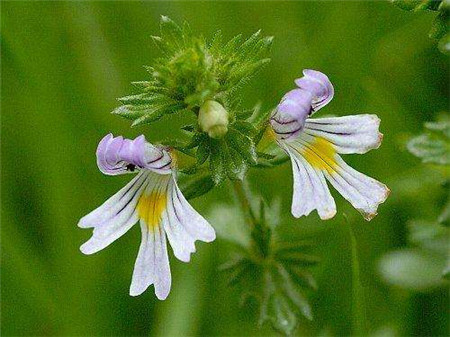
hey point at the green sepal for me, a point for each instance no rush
(171, 33)
(243, 145)
(216, 162)
(246, 128)
(189, 128)
(203, 151)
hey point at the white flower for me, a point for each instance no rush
(152, 198)
(314, 146)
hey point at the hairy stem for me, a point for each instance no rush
(241, 194)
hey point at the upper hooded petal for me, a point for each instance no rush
(117, 155)
(318, 85)
(348, 134)
(289, 117)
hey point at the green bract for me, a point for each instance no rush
(275, 273)
(193, 73)
(434, 145)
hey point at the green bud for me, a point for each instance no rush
(213, 119)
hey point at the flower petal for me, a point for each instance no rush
(184, 225)
(310, 189)
(318, 85)
(195, 224)
(116, 155)
(363, 192)
(115, 217)
(289, 117)
(144, 267)
(111, 206)
(163, 278)
(152, 263)
(348, 134)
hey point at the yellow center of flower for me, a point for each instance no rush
(150, 208)
(321, 154)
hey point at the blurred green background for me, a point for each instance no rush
(63, 66)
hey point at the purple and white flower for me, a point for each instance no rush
(153, 198)
(314, 145)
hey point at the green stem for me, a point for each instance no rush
(359, 324)
(244, 201)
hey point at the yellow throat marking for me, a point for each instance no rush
(321, 154)
(150, 208)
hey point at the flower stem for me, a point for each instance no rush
(359, 324)
(241, 194)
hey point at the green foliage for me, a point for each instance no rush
(273, 273)
(417, 5)
(434, 145)
(440, 30)
(191, 71)
(425, 264)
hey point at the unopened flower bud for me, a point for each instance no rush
(213, 119)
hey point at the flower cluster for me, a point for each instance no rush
(225, 146)
(153, 198)
(314, 146)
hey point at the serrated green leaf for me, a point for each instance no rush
(130, 111)
(160, 44)
(232, 45)
(203, 151)
(216, 42)
(171, 33)
(281, 315)
(144, 98)
(293, 292)
(243, 145)
(196, 140)
(245, 114)
(431, 149)
(156, 112)
(297, 257)
(216, 164)
(301, 276)
(246, 128)
(234, 163)
(442, 125)
(189, 128)
(141, 85)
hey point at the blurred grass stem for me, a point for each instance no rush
(359, 324)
